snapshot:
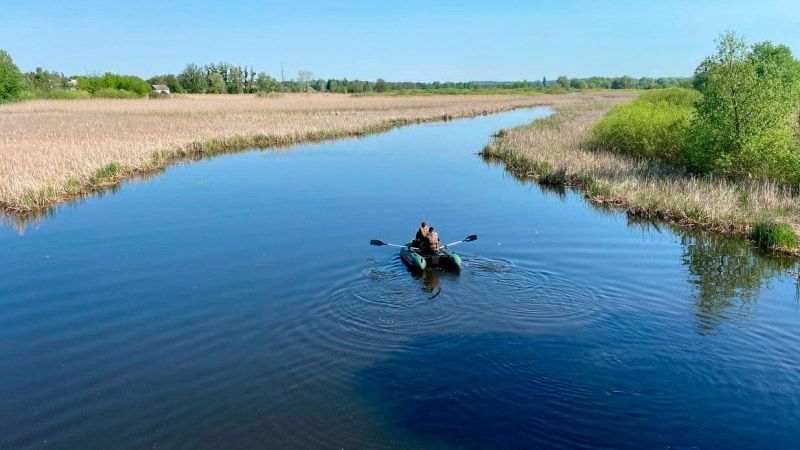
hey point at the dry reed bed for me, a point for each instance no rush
(53, 150)
(557, 151)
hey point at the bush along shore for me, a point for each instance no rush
(560, 151)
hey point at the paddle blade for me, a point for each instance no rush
(376, 243)
(471, 237)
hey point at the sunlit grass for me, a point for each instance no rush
(52, 150)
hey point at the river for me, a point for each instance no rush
(235, 303)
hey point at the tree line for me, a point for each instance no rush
(226, 78)
(232, 79)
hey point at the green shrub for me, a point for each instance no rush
(673, 96)
(770, 235)
(62, 94)
(115, 93)
(132, 86)
(54, 94)
(654, 126)
(28, 95)
(10, 79)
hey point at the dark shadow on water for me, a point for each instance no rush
(513, 391)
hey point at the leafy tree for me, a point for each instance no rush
(90, 84)
(236, 83)
(576, 83)
(625, 82)
(216, 84)
(265, 83)
(10, 78)
(193, 79)
(745, 119)
(380, 85)
(563, 82)
(304, 80)
(41, 81)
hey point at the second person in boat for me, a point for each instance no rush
(431, 242)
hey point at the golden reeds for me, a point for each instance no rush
(52, 150)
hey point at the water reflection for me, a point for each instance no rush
(21, 221)
(724, 273)
(431, 280)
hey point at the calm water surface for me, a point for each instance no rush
(234, 303)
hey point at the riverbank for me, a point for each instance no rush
(52, 151)
(556, 151)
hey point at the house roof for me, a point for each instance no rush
(161, 87)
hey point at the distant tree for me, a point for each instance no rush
(236, 83)
(319, 85)
(10, 79)
(304, 80)
(577, 83)
(265, 83)
(216, 84)
(381, 86)
(625, 82)
(193, 79)
(250, 80)
(357, 86)
(332, 86)
(41, 81)
(563, 82)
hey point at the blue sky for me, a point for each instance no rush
(403, 40)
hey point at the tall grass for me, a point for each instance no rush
(52, 150)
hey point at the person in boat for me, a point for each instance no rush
(431, 241)
(419, 239)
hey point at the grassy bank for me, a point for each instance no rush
(558, 151)
(53, 151)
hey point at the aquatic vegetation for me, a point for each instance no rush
(770, 234)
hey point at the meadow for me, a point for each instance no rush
(55, 150)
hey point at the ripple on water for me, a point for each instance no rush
(531, 297)
(377, 310)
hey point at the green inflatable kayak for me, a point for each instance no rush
(444, 258)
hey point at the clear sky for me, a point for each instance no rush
(401, 40)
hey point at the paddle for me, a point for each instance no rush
(470, 238)
(378, 243)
